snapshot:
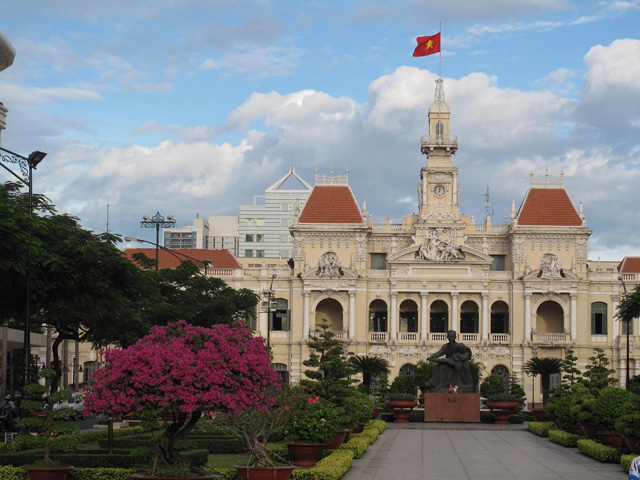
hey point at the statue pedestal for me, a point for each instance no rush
(452, 407)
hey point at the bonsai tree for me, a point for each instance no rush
(181, 370)
(494, 384)
(610, 405)
(570, 371)
(598, 375)
(369, 366)
(545, 367)
(403, 384)
(422, 374)
(53, 421)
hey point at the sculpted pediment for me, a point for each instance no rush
(329, 267)
(465, 256)
(551, 269)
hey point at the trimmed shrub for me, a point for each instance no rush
(541, 428)
(223, 473)
(599, 452)
(377, 424)
(516, 418)
(100, 474)
(332, 467)
(563, 438)
(12, 473)
(197, 458)
(625, 462)
(357, 444)
(277, 451)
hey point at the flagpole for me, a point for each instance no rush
(440, 68)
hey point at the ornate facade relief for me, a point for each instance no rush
(500, 353)
(550, 267)
(379, 351)
(408, 351)
(329, 265)
(434, 247)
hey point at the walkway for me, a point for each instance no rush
(453, 451)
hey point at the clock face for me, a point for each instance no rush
(439, 190)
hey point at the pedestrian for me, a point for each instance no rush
(634, 469)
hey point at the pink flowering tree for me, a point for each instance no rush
(181, 370)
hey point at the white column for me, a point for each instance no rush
(574, 317)
(352, 315)
(424, 187)
(454, 187)
(616, 321)
(424, 316)
(263, 317)
(622, 372)
(393, 317)
(527, 317)
(485, 316)
(455, 316)
(305, 315)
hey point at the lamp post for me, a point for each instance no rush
(269, 295)
(156, 222)
(628, 322)
(27, 166)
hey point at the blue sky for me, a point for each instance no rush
(194, 107)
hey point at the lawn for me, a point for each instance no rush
(228, 460)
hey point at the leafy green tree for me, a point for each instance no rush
(598, 375)
(629, 307)
(571, 372)
(545, 367)
(370, 366)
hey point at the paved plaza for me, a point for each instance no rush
(478, 452)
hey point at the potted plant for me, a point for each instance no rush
(183, 369)
(504, 404)
(629, 426)
(255, 426)
(401, 404)
(310, 430)
(51, 423)
(581, 407)
(610, 405)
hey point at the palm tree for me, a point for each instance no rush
(545, 367)
(369, 366)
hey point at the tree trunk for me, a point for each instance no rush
(165, 447)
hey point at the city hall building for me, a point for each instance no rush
(516, 290)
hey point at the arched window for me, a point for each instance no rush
(281, 368)
(408, 316)
(550, 317)
(280, 316)
(439, 317)
(378, 316)
(469, 317)
(500, 370)
(407, 369)
(598, 318)
(499, 317)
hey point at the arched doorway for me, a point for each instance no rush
(499, 317)
(330, 310)
(408, 317)
(469, 317)
(378, 316)
(550, 317)
(439, 317)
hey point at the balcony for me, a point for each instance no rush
(438, 337)
(499, 338)
(550, 338)
(408, 336)
(378, 336)
(469, 337)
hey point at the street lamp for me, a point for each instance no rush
(27, 166)
(269, 295)
(205, 264)
(628, 322)
(156, 222)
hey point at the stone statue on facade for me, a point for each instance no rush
(435, 248)
(453, 371)
(550, 267)
(329, 265)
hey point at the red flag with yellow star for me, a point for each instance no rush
(427, 45)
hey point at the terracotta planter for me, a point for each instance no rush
(575, 430)
(502, 410)
(306, 454)
(375, 412)
(339, 438)
(633, 442)
(359, 428)
(401, 410)
(144, 476)
(540, 414)
(47, 473)
(611, 439)
(264, 473)
(421, 400)
(590, 429)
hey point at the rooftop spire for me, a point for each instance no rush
(439, 95)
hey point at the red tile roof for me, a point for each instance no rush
(331, 204)
(219, 258)
(629, 265)
(548, 206)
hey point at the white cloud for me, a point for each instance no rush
(257, 61)
(38, 95)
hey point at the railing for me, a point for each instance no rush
(599, 338)
(501, 227)
(438, 337)
(550, 337)
(378, 336)
(629, 276)
(387, 227)
(221, 272)
(339, 334)
(439, 140)
(279, 334)
(499, 338)
(408, 336)
(469, 337)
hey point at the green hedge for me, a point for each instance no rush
(377, 424)
(100, 474)
(563, 438)
(80, 460)
(12, 473)
(599, 452)
(332, 467)
(541, 428)
(212, 444)
(625, 462)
